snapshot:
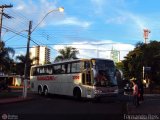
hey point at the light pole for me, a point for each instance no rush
(60, 9)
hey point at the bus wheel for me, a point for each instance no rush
(77, 93)
(40, 91)
(45, 91)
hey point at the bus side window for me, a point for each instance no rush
(41, 70)
(76, 67)
(86, 65)
(68, 68)
(38, 71)
(64, 70)
(83, 78)
(50, 70)
(53, 70)
(87, 79)
(58, 69)
(44, 71)
(34, 72)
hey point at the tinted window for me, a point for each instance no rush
(76, 67)
(42, 70)
(57, 69)
(68, 68)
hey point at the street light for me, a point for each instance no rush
(60, 9)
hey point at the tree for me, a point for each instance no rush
(21, 64)
(147, 55)
(67, 53)
(5, 57)
(119, 65)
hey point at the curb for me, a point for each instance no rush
(152, 95)
(14, 100)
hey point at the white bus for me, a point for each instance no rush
(78, 78)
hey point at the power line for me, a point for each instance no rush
(19, 34)
(5, 15)
(11, 30)
(20, 15)
(87, 44)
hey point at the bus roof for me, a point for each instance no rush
(101, 59)
(73, 60)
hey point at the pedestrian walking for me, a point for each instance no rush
(135, 92)
(141, 90)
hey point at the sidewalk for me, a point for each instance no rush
(13, 100)
(14, 96)
(150, 105)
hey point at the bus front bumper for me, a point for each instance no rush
(101, 95)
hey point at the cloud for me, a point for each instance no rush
(139, 21)
(101, 49)
(23, 11)
(106, 7)
(98, 6)
(74, 21)
(20, 7)
(117, 20)
(37, 11)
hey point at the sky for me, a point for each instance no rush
(94, 27)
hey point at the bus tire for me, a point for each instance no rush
(45, 91)
(77, 94)
(40, 90)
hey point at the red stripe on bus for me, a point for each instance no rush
(46, 78)
(75, 77)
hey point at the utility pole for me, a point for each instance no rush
(1, 17)
(60, 9)
(27, 62)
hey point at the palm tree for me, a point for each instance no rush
(67, 53)
(5, 57)
(21, 64)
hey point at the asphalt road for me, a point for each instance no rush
(65, 108)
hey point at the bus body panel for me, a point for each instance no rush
(65, 83)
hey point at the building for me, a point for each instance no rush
(115, 55)
(42, 53)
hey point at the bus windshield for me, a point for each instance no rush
(105, 72)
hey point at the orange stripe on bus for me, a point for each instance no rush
(46, 78)
(75, 77)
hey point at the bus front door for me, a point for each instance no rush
(86, 75)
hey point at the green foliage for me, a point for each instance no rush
(120, 65)
(6, 61)
(147, 55)
(21, 64)
(67, 53)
